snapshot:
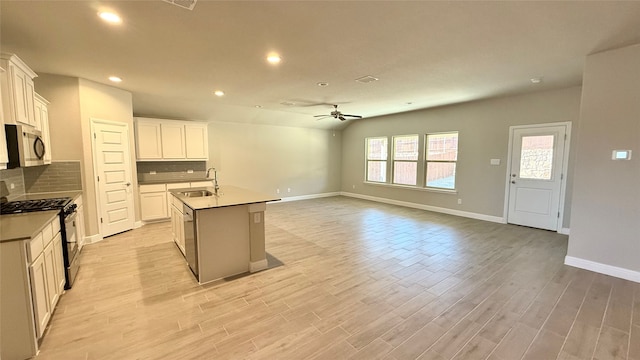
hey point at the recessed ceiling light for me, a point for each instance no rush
(274, 58)
(218, 93)
(110, 17)
(115, 79)
(367, 79)
(323, 84)
(287, 103)
(258, 106)
(536, 80)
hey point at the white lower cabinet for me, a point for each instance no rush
(153, 202)
(152, 195)
(177, 226)
(39, 293)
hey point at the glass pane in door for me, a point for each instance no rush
(536, 157)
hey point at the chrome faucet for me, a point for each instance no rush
(215, 179)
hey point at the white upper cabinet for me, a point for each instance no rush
(197, 141)
(18, 91)
(148, 140)
(42, 124)
(158, 139)
(173, 141)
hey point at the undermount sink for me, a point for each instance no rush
(197, 193)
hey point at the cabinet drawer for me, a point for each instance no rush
(56, 226)
(177, 203)
(36, 245)
(47, 233)
(152, 188)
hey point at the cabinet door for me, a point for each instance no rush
(153, 206)
(23, 89)
(197, 141)
(50, 273)
(39, 293)
(174, 224)
(180, 236)
(148, 140)
(173, 146)
(42, 124)
(59, 263)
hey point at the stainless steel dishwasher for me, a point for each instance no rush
(190, 239)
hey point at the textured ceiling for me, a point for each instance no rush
(425, 54)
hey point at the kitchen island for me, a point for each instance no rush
(222, 234)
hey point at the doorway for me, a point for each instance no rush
(538, 156)
(112, 169)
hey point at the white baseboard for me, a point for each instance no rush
(255, 266)
(137, 224)
(466, 214)
(307, 197)
(603, 268)
(92, 239)
(564, 231)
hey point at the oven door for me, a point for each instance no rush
(72, 261)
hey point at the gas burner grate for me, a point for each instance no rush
(16, 207)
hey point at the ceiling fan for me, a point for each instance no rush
(338, 115)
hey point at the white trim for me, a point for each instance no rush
(93, 123)
(255, 266)
(603, 268)
(307, 197)
(92, 239)
(565, 170)
(138, 224)
(466, 214)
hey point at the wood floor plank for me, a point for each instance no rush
(358, 280)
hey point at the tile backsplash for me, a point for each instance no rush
(9, 177)
(145, 167)
(58, 176)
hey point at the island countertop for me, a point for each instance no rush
(228, 196)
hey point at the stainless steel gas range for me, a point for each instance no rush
(67, 225)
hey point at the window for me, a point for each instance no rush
(405, 159)
(377, 159)
(441, 158)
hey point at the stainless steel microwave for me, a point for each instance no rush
(25, 146)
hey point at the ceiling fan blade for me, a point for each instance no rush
(353, 116)
(341, 118)
(320, 115)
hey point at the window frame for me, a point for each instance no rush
(427, 161)
(394, 160)
(385, 161)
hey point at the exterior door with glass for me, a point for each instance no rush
(536, 176)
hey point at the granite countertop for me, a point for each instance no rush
(24, 226)
(228, 196)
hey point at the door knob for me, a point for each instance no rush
(128, 184)
(513, 181)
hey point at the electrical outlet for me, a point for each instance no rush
(189, 171)
(288, 190)
(459, 201)
(277, 191)
(12, 186)
(353, 186)
(152, 172)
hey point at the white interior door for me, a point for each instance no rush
(536, 176)
(113, 170)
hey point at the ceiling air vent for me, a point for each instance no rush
(366, 79)
(185, 4)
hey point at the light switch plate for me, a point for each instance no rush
(495, 161)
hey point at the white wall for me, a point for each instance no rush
(265, 158)
(483, 128)
(605, 217)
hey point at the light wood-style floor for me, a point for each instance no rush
(360, 280)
